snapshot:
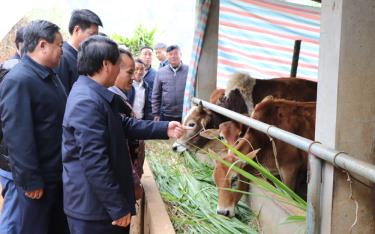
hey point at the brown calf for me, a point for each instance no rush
(252, 91)
(291, 116)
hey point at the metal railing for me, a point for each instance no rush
(340, 159)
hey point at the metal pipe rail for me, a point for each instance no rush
(340, 159)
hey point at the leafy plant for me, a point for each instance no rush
(186, 185)
(141, 37)
(285, 194)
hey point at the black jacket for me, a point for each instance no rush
(32, 104)
(67, 70)
(97, 174)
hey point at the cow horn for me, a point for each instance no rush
(252, 154)
(200, 106)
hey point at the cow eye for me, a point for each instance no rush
(191, 125)
(221, 137)
(234, 181)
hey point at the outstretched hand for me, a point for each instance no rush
(175, 129)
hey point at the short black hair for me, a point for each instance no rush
(160, 46)
(145, 47)
(93, 51)
(19, 37)
(173, 47)
(138, 60)
(84, 18)
(127, 52)
(37, 30)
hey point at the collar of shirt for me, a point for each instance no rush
(39, 69)
(177, 68)
(138, 84)
(70, 48)
(119, 92)
(101, 90)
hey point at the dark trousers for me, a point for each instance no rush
(169, 118)
(79, 226)
(44, 215)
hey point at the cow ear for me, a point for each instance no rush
(252, 154)
(210, 133)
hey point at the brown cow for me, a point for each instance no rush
(200, 118)
(253, 91)
(292, 116)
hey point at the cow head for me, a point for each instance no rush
(226, 178)
(196, 120)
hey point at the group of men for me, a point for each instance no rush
(69, 168)
(167, 85)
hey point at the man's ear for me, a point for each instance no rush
(105, 65)
(42, 43)
(76, 29)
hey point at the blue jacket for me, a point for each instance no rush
(163, 63)
(169, 90)
(67, 70)
(97, 177)
(149, 80)
(32, 104)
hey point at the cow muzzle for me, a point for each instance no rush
(225, 212)
(177, 147)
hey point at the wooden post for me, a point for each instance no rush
(297, 47)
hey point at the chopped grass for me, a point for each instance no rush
(187, 187)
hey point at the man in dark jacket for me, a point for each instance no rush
(169, 87)
(83, 23)
(32, 104)
(97, 174)
(145, 54)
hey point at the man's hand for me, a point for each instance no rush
(157, 118)
(123, 221)
(35, 194)
(175, 129)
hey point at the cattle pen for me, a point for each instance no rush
(315, 149)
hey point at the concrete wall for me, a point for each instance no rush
(207, 66)
(346, 109)
(272, 213)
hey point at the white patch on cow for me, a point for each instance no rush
(245, 84)
(177, 147)
(223, 210)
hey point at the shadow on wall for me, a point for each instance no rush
(7, 46)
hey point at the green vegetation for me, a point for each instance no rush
(187, 187)
(286, 195)
(141, 37)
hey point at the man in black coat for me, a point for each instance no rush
(97, 173)
(32, 104)
(83, 23)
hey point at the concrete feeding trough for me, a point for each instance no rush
(152, 216)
